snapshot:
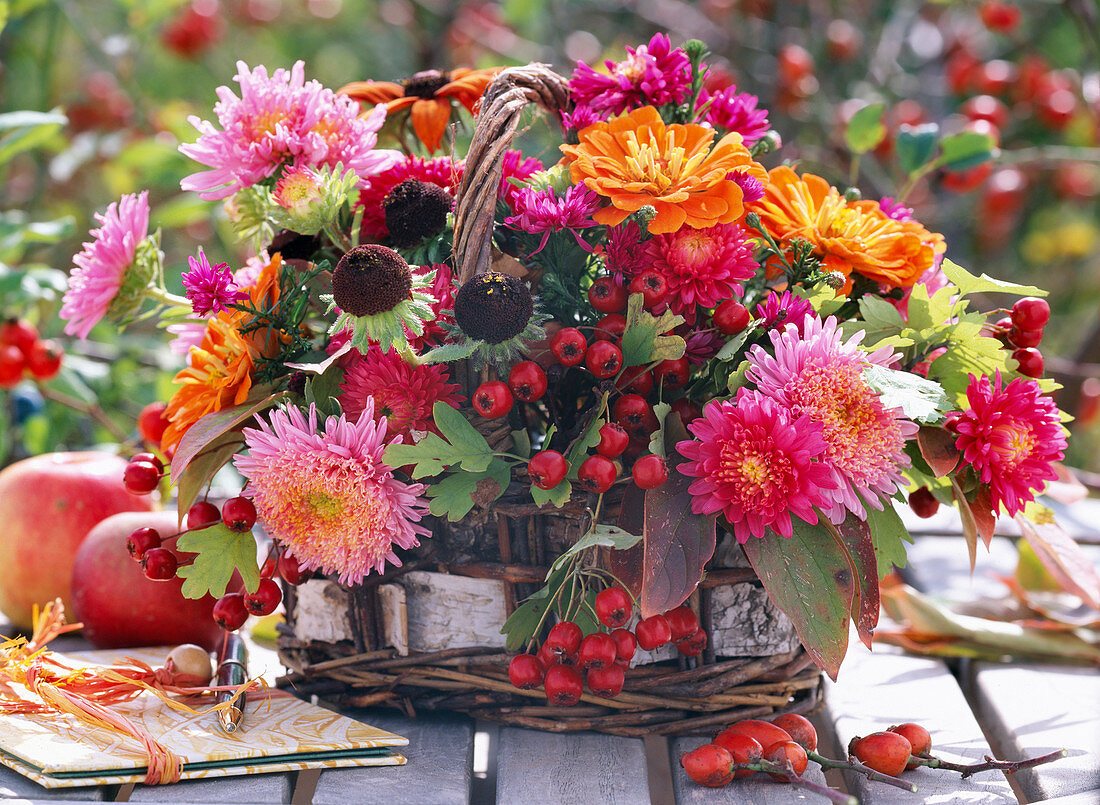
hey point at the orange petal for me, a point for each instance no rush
(429, 121)
(669, 218)
(372, 91)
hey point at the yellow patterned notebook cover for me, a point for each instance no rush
(279, 734)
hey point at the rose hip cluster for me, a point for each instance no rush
(783, 743)
(1022, 329)
(24, 354)
(568, 659)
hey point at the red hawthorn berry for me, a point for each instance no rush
(923, 503)
(229, 611)
(564, 686)
(1030, 360)
(613, 608)
(265, 600)
(610, 328)
(649, 472)
(1025, 338)
(653, 632)
(652, 285)
(525, 671)
(693, 646)
(597, 650)
(140, 477)
(12, 363)
(1030, 313)
(672, 374)
(1000, 17)
(18, 333)
(606, 681)
(547, 469)
(607, 296)
(159, 564)
(597, 473)
(731, 317)
(44, 359)
(152, 423)
(564, 638)
(626, 644)
(613, 440)
(682, 622)
(604, 359)
(569, 346)
(493, 399)
(527, 381)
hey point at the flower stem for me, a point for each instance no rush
(859, 768)
(338, 238)
(1006, 766)
(787, 773)
(164, 297)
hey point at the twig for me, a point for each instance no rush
(857, 767)
(787, 774)
(1007, 766)
(88, 409)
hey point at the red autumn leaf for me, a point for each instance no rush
(855, 537)
(937, 447)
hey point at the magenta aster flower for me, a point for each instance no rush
(736, 111)
(625, 253)
(651, 75)
(105, 278)
(757, 463)
(441, 171)
(442, 291)
(518, 167)
(389, 386)
(281, 120)
(543, 211)
(328, 495)
(751, 187)
(211, 289)
(895, 209)
(186, 335)
(581, 117)
(819, 375)
(777, 311)
(702, 346)
(703, 266)
(1010, 435)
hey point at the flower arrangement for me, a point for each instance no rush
(686, 342)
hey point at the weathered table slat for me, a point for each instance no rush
(1031, 709)
(439, 771)
(941, 566)
(875, 691)
(276, 787)
(754, 790)
(543, 768)
(15, 786)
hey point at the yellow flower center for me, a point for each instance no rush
(1016, 444)
(661, 166)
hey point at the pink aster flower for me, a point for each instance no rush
(895, 209)
(1010, 435)
(186, 335)
(777, 311)
(757, 463)
(751, 187)
(736, 111)
(651, 75)
(441, 171)
(702, 346)
(388, 386)
(625, 253)
(102, 270)
(703, 266)
(819, 375)
(328, 495)
(543, 211)
(211, 289)
(281, 120)
(515, 166)
(442, 291)
(581, 118)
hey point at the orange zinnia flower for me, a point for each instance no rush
(636, 160)
(849, 236)
(220, 371)
(427, 96)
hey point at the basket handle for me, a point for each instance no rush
(501, 108)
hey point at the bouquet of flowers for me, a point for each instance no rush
(652, 330)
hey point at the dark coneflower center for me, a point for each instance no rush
(371, 279)
(493, 307)
(414, 211)
(425, 84)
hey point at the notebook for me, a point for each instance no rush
(282, 733)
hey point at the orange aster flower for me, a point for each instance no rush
(427, 97)
(637, 160)
(221, 367)
(849, 236)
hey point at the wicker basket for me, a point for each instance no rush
(427, 635)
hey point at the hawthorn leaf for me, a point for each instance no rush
(218, 552)
(865, 130)
(456, 494)
(966, 150)
(601, 536)
(921, 399)
(889, 535)
(643, 338)
(460, 445)
(211, 426)
(968, 284)
(558, 496)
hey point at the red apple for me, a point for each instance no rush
(48, 504)
(119, 607)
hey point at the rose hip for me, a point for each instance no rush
(784, 753)
(919, 739)
(742, 749)
(708, 765)
(800, 729)
(886, 752)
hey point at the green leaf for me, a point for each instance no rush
(450, 352)
(26, 130)
(210, 427)
(456, 494)
(643, 340)
(965, 150)
(889, 535)
(589, 437)
(218, 552)
(200, 471)
(865, 130)
(810, 578)
(524, 620)
(921, 399)
(657, 438)
(915, 146)
(461, 445)
(521, 443)
(601, 536)
(968, 353)
(854, 537)
(558, 496)
(731, 347)
(968, 284)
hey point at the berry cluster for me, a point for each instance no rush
(1022, 330)
(602, 657)
(891, 751)
(24, 354)
(783, 742)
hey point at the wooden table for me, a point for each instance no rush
(971, 708)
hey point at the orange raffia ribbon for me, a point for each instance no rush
(88, 693)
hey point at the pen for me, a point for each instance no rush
(232, 670)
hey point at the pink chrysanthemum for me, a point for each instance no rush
(581, 117)
(651, 75)
(625, 253)
(441, 171)
(820, 375)
(443, 292)
(702, 346)
(895, 209)
(543, 211)
(387, 385)
(186, 335)
(703, 266)
(756, 463)
(279, 120)
(211, 289)
(751, 187)
(515, 166)
(731, 110)
(777, 311)
(1011, 435)
(297, 189)
(101, 270)
(328, 496)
